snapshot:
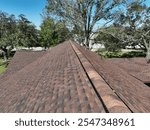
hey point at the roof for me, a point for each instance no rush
(137, 67)
(70, 78)
(19, 61)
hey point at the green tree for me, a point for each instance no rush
(15, 32)
(84, 14)
(27, 34)
(53, 32)
(7, 31)
(63, 31)
(46, 33)
(135, 21)
(109, 38)
(131, 27)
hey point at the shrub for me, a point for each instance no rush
(119, 54)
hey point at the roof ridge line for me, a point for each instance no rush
(111, 100)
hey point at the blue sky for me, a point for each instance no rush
(31, 8)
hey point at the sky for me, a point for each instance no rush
(30, 8)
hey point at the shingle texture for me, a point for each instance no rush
(69, 78)
(131, 91)
(137, 67)
(20, 60)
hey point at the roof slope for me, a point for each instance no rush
(55, 82)
(23, 58)
(137, 67)
(69, 78)
(134, 93)
(19, 61)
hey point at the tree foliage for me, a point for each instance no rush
(132, 19)
(132, 25)
(27, 32)
(109, 37)
(16, 32)
(53, 32)
(21, 32)
(82, 14)
(7, 31)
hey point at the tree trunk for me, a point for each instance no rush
(5, 54)
(86, 41)
(148, 55)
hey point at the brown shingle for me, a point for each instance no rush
(138, 67)
(72, 79)
(131, 91)
(20, 60)
(56, 82)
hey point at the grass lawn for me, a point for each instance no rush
(2, 66)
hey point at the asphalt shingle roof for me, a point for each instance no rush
(134, 93)
(136, 67)
(19, 61)
(70, 78)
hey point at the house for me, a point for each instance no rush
(70, 78)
